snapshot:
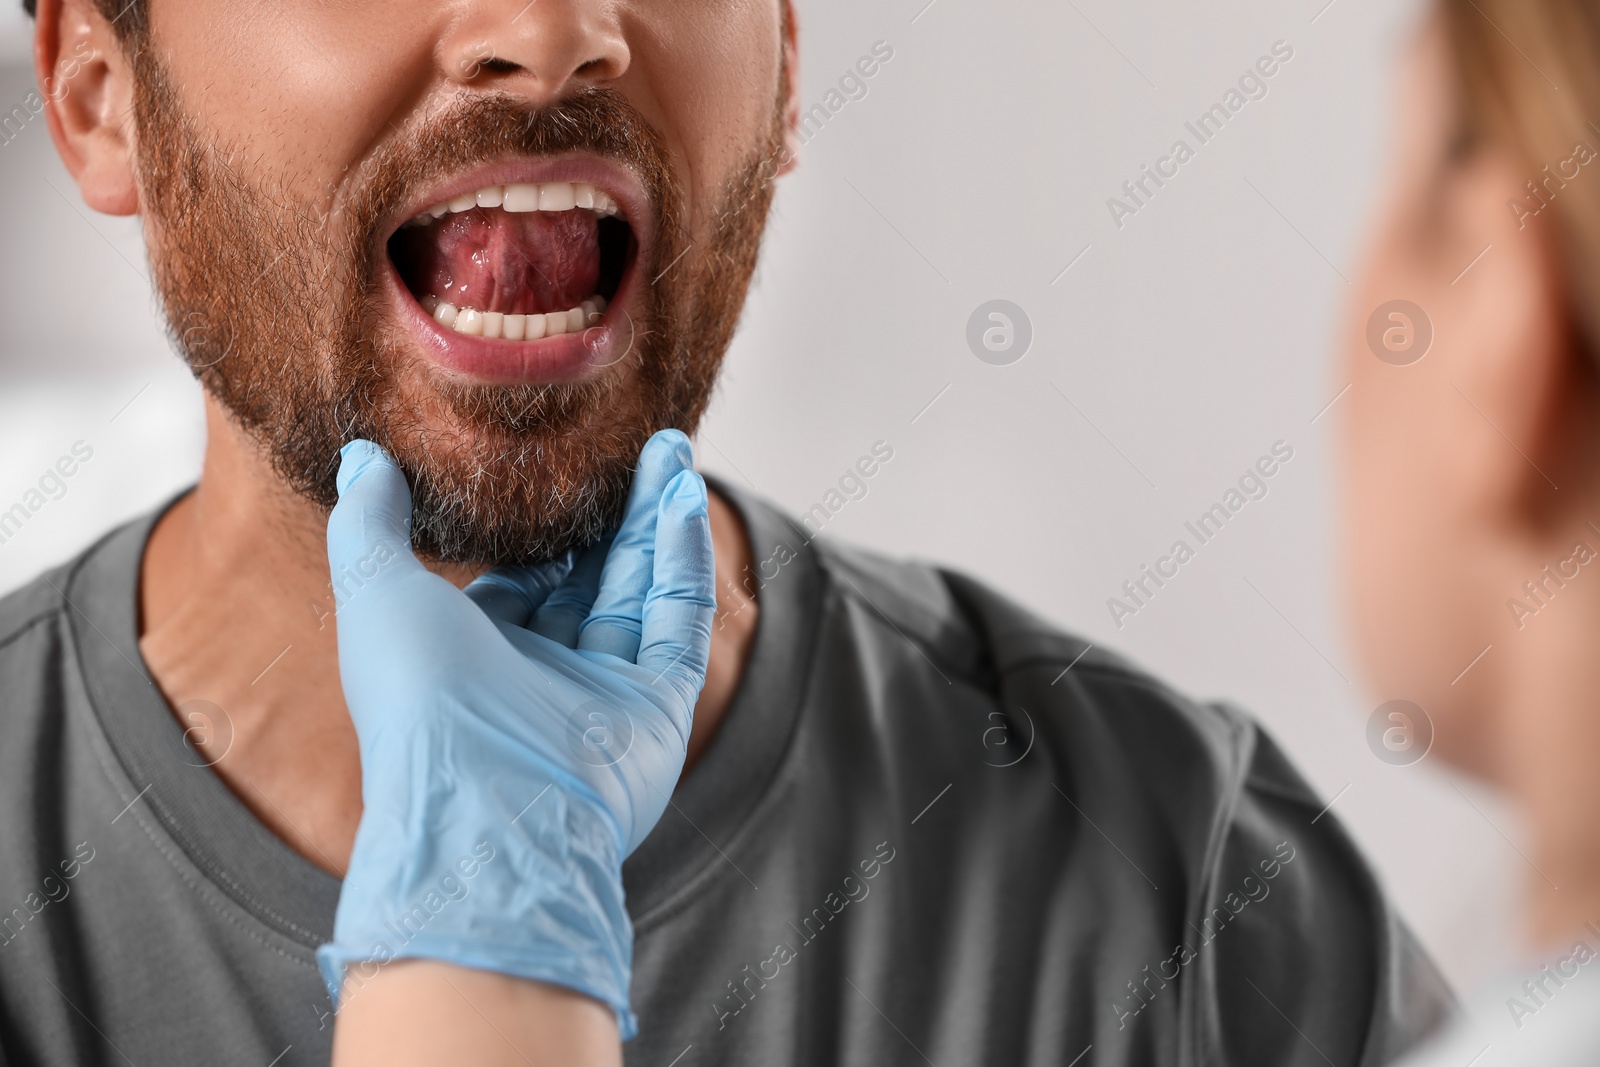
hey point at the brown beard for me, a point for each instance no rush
(276, 305)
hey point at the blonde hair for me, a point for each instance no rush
(1529, 75)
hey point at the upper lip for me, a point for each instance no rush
(615, 178)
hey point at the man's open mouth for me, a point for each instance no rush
(519, 262)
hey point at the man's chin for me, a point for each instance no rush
(512, 515)
(514, 475)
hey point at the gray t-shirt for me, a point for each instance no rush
(932, 829)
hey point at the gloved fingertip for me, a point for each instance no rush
(666, 446)
(687, 490)
(356, 458)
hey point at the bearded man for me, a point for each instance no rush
(451, 717)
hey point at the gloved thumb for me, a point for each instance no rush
(369, 531)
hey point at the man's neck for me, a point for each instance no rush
(236, 610)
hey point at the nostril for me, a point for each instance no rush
(495, 65)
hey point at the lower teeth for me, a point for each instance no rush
(477, 323)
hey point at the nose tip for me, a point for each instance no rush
(544, 49)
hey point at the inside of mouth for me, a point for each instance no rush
(518, 262)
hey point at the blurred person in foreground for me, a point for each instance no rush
(1473, 471)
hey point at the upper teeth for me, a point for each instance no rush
(526, 196)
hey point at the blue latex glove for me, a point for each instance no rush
(518, 738)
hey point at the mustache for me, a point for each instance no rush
(475, 130)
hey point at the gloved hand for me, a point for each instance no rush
(518, 738)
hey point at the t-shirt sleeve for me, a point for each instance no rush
(1303, 960)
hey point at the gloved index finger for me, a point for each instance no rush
(676, 639)
(614, 623)
(369, 529)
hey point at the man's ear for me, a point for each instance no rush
(87, 84)
(791, 107)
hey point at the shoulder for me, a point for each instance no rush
(35, 653)
(1092, 705)
(983, 636)
(37, 619)
(34, 606)
(1194, 794)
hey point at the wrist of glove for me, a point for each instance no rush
(536, 893)
(518, 738)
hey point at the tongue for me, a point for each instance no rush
(492, 260)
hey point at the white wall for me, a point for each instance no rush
(977, 167)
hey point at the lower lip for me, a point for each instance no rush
(568, 357)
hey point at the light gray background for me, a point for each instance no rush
(1170, 356)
